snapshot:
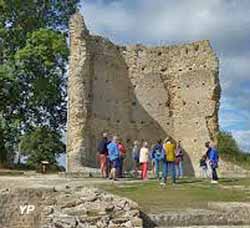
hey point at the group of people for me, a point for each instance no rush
(165, 156)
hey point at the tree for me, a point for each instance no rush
(41, 67)
(41, 144)
(20, 17)
(229, 150)
(33, 58)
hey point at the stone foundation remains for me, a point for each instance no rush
(139, 93)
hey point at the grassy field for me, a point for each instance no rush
(187, 193)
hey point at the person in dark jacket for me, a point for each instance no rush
(207, 145)
(135, 157)
(179, 160)
(156, 156)
(203, 166)
(103, 154)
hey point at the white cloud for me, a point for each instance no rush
(243, 138)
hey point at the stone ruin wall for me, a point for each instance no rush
(139, 92)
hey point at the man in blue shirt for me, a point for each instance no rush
(113, 152)
(213, 161)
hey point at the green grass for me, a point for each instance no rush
(188, 193)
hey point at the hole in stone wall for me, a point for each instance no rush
(160, 104)
(180, 69)
(118, 121)
(188, 86)
(195, 140)
(190, 68)
(134, 86)
(142, 122)
(198, 102)
(197, 122)
(106, 80)
(163, 69)
(196, 47)
(89, 95)
(159, 53)
(134, 103)
(108, 119)
(168, 123)
(132, 121)
(178, 87)
(143, 68)
(184, 103)
(205, 66)
(167, 104)
(186, 50)
(203, 83)
(127, 67)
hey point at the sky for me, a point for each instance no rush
(226, 23)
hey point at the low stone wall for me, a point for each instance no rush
(66, 208)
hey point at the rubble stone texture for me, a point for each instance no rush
(67, 208)
(139, 93)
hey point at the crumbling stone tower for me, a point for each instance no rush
(139, 92)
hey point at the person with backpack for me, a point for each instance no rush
(168, 156)
(122, 156)
(179, 160)
(103, 154)
(135, 157)
(213, 162)
(156, 156)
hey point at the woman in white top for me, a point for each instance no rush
(144, 158)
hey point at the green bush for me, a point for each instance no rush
(229, 150)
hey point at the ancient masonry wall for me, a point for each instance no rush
(139, 92)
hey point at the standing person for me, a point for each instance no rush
(135, 157)
(179, 160)
(144, 157)
(103, 153)
(122, 156)
(169, 160)
(156, 155)
(208, 150)
(114, 153)
(213, 161)
(203, 166)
